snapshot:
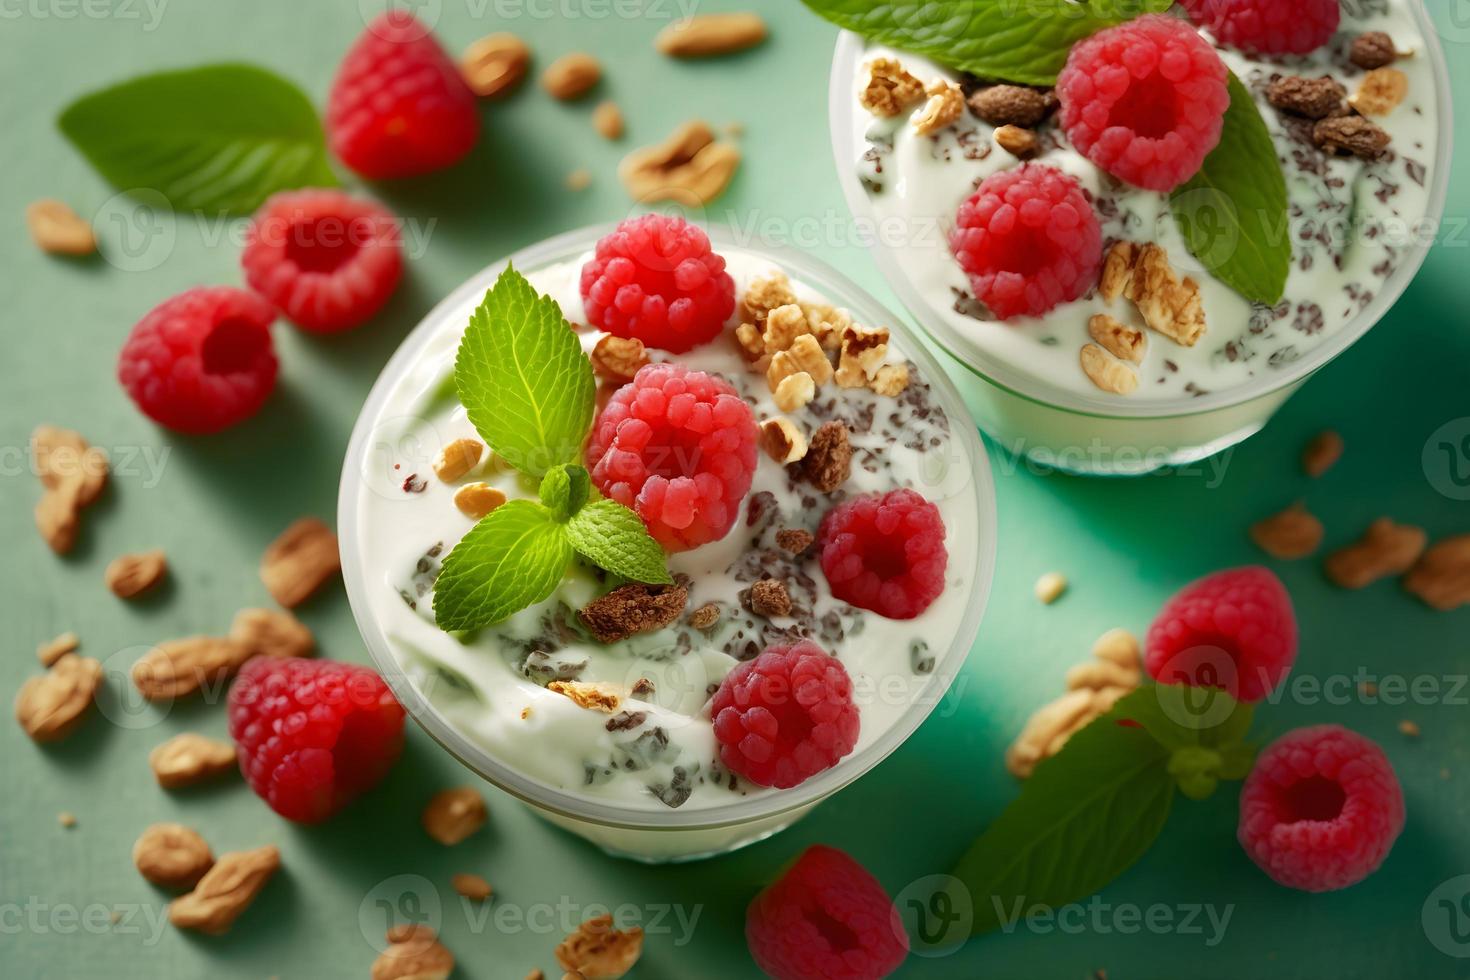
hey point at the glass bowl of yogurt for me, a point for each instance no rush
(646, 782)
(1360, 231)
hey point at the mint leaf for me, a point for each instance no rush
(1204, 730)
(220, 138)
(564, 489)
(523, 378)
(1233, 213)
(613, 537)
(512, 559)
(1083, 818)
(1023, 42)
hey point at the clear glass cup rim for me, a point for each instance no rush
(840, 291)
(841, 106)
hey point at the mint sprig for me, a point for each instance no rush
(221, 138)
(529, 391)
(1026, 43)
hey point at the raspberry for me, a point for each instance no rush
(826, 918)
(1321, 809)
(1029, 240)
(655, 278)
(1268, 26)
(785, 716)
(312, 734)
(679, 447)
(398, 107)
(326, 260)
(885, 553)
(1234, 630)
(1145, 101)
(201, 361)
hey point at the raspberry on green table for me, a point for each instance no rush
(1321, 809)
(1145, 100)
(1268, 26)
(312, 734)
(201, 361)
(1029, 240)
(656, 278)
(399, 107)
(826, 918)
(326, 260)
(885, 553)
(679, 448)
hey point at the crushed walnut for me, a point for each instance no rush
(1385, 549)
(1123, 342)
(632, 609)
(452, 815)
(1441, 578)
(1293, 533)
(864, 350)
(890, 90)
(1381, 92)
(795, 391)
(1169, 305)
(1107, 372)
(945, 106)
(764, 295)
(782, 440)
(690, 167)
(828, 461)
(1322, 453)
(591, 696)
(619, 358)
(598, 950)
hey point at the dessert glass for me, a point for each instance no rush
(633, 828)
(1091, 432)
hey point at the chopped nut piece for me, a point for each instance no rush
(794, 540)
(619, 358)
(891, 380)
(890, 90)
(632, 609)
(1062, 717)
(457, 459)
(1291, 534)
(475, 500)
(1049, 587)
(225, 891)
(864, 352)
(1314, 98)
(1442, 576)
(590, 696)
(689, 167)
(1018, 142)
(579, 179)
(67, 819)
(58, 518)
(1097, 674)
(1143, 274)
(600, 952)
(945, 106)
(1374, 49)
(63, 458)
(782, 440)
(1351, 135)
(1107, 372)
(704, 35)
(607, 119)
(50, 706)
(494, 65)
(53, 650)
(1118, 646)
(172, 855)
(571, 76)
(807, 354)
(752, 347)
(413, 953)
(1322, 453)
(451, 815)
(770, 598)
(1117, 270)
(1380, 92)
(765, 295)
(828, 461)
(1385, 549)
(782, 326)
(59, 230)
(472, 887)
(271, 633)
(1123, 342)
(181, 667)
(703, 618)
(795, 391)
(131, 575)
(1409, 729)
(827, 324)
(188, 758)
(1012, 105)
(300, 561)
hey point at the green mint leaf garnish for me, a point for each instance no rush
(1026, 43)
(1233, 213)
(1203, 729)
(1083, 818)
(512, 559)
(564, 489)
(613, 537)
(221, 138)
(523, 378)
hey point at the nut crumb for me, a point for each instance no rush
(472, 887)
(1123, 342)
(794, 540)
(828, 460)
(944, 108)
(414, 953)
(890, 90)
(782, 440)
(795, 391)
(1049, 587)
(1106, 371)
(607, 119)
(591, 696)
(619, 358)
(890, 381)
(632, 609)
(67, 819)
(188, 758)
(769, 598)
(1441, 578)
(128, 576)
(1291, 534)
(457, 459)
(579, 179)
(1322, 453)
(703, 618)
(58, 230)
(1385, 549)
(1409, 729)
(598, 950)
(172, 855)
(452, 815)
(53, 650)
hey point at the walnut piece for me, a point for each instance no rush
(50, 706)
(782, 440)
(132, 575)
(413, 953)
(828, 461)
(764, 295)
(782, 326)
(1107, 372)
(598, 951)
(795, 391)
(1322, 453)
(705, 35)
(590, 696)
(494, 65)
(688, 168)
(1120, 647)
(188, 758)
(864, 352)
(890, 90)
(300, 561)
(172, 855)
(452, 815)
(225, 891)
(53, 650)
(457, 459)
(770, 598)
(271, 633)
(944, 108)
(1123, 342)
(619, 358)
(1019, 142)
(1351, 136)
(1012, 105)
(607, 119)
(476, 500)
(473, 887)
(1374, 49)
(1442, 576)
(632, 609)
(1169, 305)
(1385, 549)
(571, 76)
(74, 474)
(1312, 98)
(58, 230)
(1291, 534)
(827, 323)
(177, 668)
(1381, 92)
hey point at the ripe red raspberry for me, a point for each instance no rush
(679, 447)
(201, 361)
(312, 734)
(656, 278)
(1029, 240)
(826, 918)
(399, 107)
(885, 553)
(1268, 26)
(1321, 809)
(785, 716)
(1145, 100)
(1234, 630)
(326, 260)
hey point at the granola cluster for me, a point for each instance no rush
(1169, 305)
(1341, 126)
(1014, 110)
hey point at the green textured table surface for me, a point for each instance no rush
(213, 504)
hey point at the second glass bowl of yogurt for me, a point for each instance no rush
(646, 782)
(1360, 230)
